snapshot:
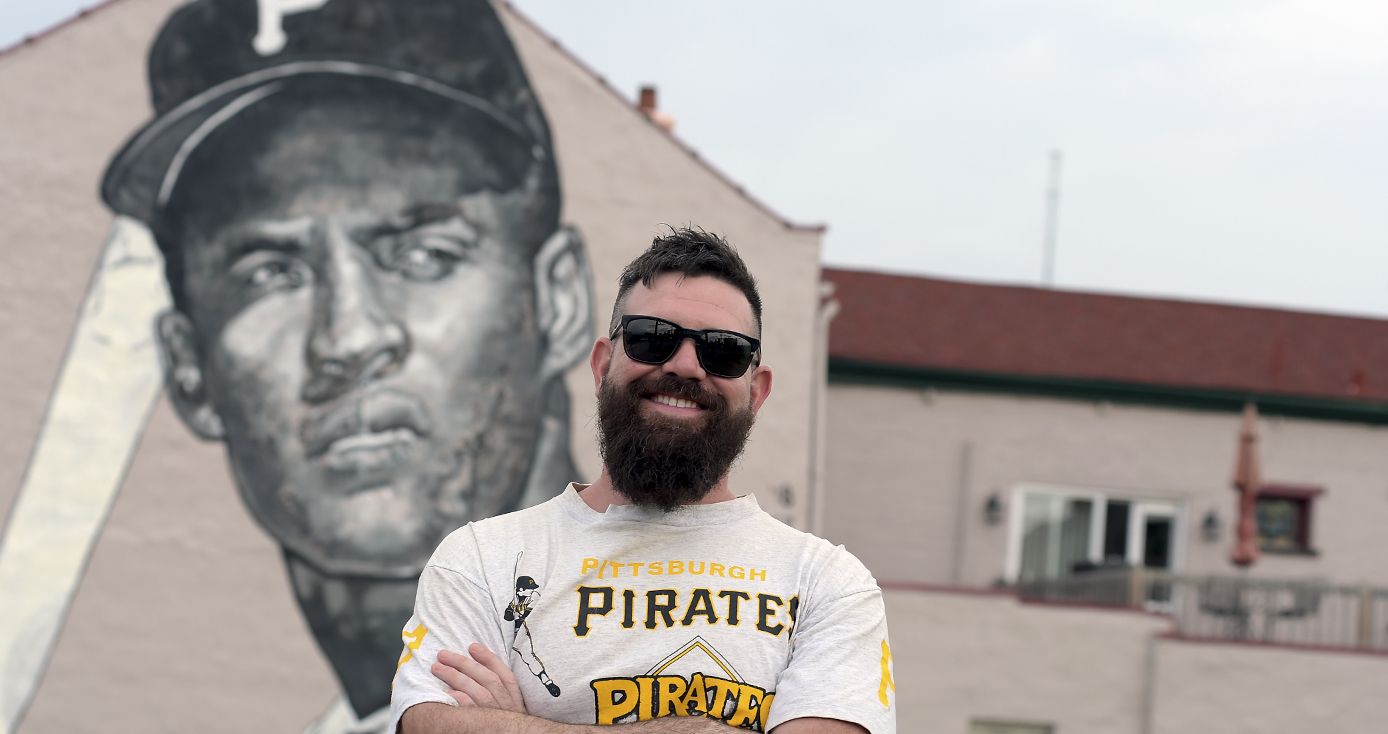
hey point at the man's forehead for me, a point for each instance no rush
(695, 302)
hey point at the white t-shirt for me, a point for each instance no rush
(717, 610)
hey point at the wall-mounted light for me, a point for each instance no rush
(992, 509)
(1210, 527)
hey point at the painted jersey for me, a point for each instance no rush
(712, 610)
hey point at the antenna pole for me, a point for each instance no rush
(1052, 217)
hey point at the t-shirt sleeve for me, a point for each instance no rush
(840, 663)
(452, 610)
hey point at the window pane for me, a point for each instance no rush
(1055, 535)
(1279, 523)
(1116, 531)
(1156, 541)
(1074, 534)
(1036, 535)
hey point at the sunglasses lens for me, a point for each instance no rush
(650, 341)
(725, 354)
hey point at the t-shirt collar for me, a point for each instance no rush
(717, 513)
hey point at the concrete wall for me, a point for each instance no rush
(961, 656)
(1239, 689)
(905, 449)
(184, 620)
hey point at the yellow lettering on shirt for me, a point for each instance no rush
(669, 691)
(668, 568)
(887, 681)
(748, 701)
(641, 698)
(616, 698)
(413, 639)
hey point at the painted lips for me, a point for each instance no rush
(367, 433)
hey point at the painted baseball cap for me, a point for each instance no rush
(214, 59)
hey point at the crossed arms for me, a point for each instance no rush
(489, 701)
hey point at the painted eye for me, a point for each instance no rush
(428, 258)
(276, 275)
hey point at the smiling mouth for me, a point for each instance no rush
(371, 452)
(674, 402)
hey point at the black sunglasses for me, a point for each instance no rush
(721, 353)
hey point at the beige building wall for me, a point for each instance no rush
(961, 657)
(907, 450)
(184, 620)
(1240, 689)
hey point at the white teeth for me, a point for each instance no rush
(674, 402)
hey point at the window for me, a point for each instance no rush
(1060, 530)
(1284, 518)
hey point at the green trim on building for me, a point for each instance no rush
(852, 372)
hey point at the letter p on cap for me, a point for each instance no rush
(269, 38)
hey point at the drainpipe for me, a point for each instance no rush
(824, 314)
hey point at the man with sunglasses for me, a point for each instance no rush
(655, 598)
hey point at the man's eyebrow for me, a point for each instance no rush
(422, 214)
(286, 239)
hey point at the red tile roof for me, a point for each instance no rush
(1008, 330)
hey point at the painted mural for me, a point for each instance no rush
(372, 301)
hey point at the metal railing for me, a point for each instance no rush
(1281, 611)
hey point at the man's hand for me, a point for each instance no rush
(483, 679)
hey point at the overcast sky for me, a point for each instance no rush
(1225, 150)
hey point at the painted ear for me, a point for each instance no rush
(183, 375)
(564, 301)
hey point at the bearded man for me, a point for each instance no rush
(654, 597)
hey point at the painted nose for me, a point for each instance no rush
(354, 338)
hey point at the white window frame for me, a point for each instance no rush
(1144, 505)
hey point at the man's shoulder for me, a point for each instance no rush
(501, 534)
(547, 514)
(820, 559)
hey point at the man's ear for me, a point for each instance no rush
(183, 375)
(599, 361)
(761, 386)
(564, 301)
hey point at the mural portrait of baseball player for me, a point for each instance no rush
(373, 300)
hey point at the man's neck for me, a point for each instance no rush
(357, 623)
(601, 495)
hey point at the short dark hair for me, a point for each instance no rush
(691, 252)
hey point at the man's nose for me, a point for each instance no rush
(685, 362)
(354, 338)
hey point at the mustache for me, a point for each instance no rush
(364, 412)
(668, 384)
(660, 462)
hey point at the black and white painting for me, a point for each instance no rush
(373, 301)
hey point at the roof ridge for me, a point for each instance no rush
(828, 270)
(32, 38)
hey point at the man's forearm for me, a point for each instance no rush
(440, 718)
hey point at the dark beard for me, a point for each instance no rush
(662, 462)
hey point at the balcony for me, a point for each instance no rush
(1245, 609)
